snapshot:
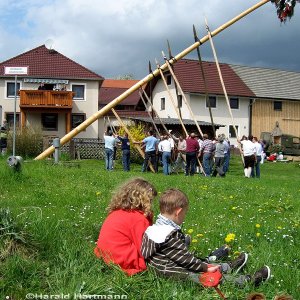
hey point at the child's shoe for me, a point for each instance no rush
(261, 275)
(219, 253)
(238, 263)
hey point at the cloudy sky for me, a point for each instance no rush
(119, 37)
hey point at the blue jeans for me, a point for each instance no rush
(256, 167)
(207, 163)
(126, 159)
(226, 161)
(109, 159)
(166, 158)
(190, 166)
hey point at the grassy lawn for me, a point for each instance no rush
(55, 213)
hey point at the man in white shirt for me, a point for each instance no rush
(165, 147)
(249, 154)
(258, 154)
(109, 144)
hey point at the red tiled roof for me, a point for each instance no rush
(111, 89)
(46, 63)
(116, 83)
(188, 72)
(130, 113)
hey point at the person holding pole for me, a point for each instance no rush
(125, 147)
(150, 143)
(181, 156)
(165, 148)
(192, 149)
(207, 148)
(109, 144)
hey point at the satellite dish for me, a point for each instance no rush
(49, 44)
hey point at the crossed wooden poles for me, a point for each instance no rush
(145, 80)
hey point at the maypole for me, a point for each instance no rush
(145, 80)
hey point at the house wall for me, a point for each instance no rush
(198, 106)
(264, 117)
(87, 106)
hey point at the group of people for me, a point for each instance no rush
(129, 238)
(253, 152)
(209, 157)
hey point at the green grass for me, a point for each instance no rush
(57, 212)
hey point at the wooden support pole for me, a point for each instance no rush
(149, 114)
(145, 80)
(153, 109)
(204, 81)
(172, 99)
(183, 97)
(223, 86)
(138, 147)
(182, 94)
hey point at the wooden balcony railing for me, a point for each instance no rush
(44, 99)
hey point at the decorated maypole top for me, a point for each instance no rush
(285, 8)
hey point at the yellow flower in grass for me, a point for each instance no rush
(257, 226)
(190, 231)
(194, 240)
(258, 234)
(234, 208)
(231, 197)
(98, 193)
(230, 237)
(199, 235)
(279, 227)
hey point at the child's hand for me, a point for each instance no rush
(213, 268)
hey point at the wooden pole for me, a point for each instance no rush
(172, 99)
(112, 127)
(153, 109)
(149, 114)
(145, 80)
(182, 94)
(204, 81)
(131, 137)
(223, 86)
(179, 117)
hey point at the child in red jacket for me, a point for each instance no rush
(130, 214)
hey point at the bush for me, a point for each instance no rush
(29, 142)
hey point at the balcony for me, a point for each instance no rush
(46, 99)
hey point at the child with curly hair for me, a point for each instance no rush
(129, 215)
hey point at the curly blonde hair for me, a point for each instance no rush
(136, 194)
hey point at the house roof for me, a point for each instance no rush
(45, 63)
(131, 114)
(111, 89)
(189, 75)
(270, 83)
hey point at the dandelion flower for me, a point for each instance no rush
(258, 234)
(194, 240)
(257, 225)
(279, 227)
(98, 193)
(234, 208)
(230, 237)
(231, 197)
(199, 235)
(190, 231)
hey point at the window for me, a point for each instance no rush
(162, 104)
(10, 89)
(234, 103)
(179, 101)
(169, 79)
(77, 119)
(78, 90)
(212, 100)
(50, 122)
(232, 133)
(10, 120)
(278, 105)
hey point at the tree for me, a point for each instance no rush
(285, 8)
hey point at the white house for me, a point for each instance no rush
(70, 93)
